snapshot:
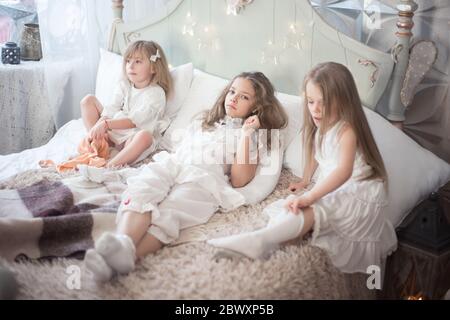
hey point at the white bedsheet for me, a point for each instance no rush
(62, 146)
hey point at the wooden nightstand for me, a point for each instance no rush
(420, 267)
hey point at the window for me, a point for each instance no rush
(13, 15)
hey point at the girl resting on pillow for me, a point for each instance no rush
(134, 121)
(185, 188)
(344, 207)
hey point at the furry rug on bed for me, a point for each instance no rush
(190, 269)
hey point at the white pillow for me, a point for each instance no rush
(182, 77)
(266, 178)
(413, 172)
(110, 72)
(293, 107)
(293, 156)
(108, 75)
(204, 91)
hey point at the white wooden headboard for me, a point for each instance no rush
(225, 45)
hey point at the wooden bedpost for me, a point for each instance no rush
(117, 7)
(400, 54)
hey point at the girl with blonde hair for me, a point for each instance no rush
(134, 121)
(344, 207)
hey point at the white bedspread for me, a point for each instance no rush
(62, 146)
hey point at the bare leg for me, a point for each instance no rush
(117, 252)
(133, 149)
(134, 225)
(91, 109)
(147, 245)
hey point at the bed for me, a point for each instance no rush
(207, 38)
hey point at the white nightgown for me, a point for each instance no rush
(187, 187)
(144, 107)
(349, 222)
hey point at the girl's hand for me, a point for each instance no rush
(98, 131)
(301, 202)
(293, 187)
(252, 123)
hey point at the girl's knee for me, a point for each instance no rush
(88, 100)
(144, 137)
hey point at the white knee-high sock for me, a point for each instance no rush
(100, 270)
(283, 227)
(118, 250)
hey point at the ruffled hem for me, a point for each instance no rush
(347, 254)
(351, 256)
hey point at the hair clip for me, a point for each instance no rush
(155, 57)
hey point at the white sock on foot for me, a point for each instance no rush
(94, 262)
(283, 227)
(118, 250)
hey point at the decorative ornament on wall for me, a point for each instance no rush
(271, 53)
(207, 38)
(296, 33)
(294, 38)
(132, 36)
(374, 76)
(189, 25)
(207, 35)
(235, 6)
(422, 56)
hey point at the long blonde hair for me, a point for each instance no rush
(266, 106)
(162, 75)
(339, 92)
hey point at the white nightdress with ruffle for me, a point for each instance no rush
(349, 222)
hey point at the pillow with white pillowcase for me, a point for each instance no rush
(292, 106)
(413, 172)
(203, 92)
(110, 72)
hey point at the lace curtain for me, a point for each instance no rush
(72, 31)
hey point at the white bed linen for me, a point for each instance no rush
(62, 146)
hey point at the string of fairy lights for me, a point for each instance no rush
(207, 38)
